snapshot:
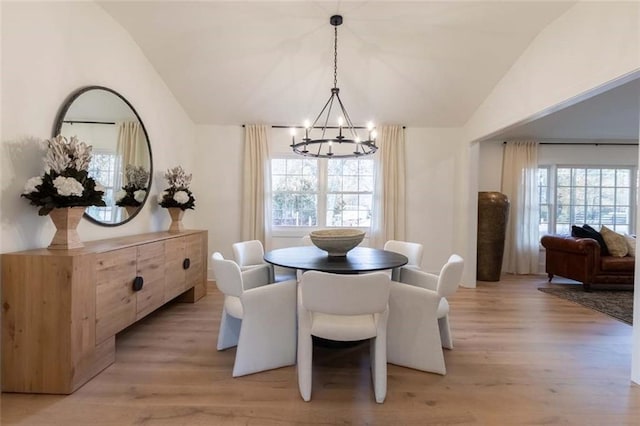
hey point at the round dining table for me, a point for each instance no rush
(357, 260)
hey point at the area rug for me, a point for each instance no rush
(617, 304)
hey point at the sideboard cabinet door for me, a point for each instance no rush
(115, 298)
(150, 268)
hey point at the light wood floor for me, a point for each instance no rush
(520, 357)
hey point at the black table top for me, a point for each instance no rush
(311, 258)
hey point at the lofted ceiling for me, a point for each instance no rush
(417, 63)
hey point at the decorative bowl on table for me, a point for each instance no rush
(336, 242)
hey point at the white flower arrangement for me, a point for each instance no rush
(135, 190)
(66, 181)
(178, 194)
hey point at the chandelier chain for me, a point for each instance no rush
(335, 57)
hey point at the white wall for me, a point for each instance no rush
(490, 166)
(434, 169)
(219, 185)
(48, 51)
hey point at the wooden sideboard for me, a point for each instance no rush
(61, 309)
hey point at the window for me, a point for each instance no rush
(103, 169)
(294, 187)
(593, 195)
(321, 192)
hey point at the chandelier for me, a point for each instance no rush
(347, 142)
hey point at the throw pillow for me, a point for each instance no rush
(631, 245)
(604, 250)
(616, 243)
(588, 232)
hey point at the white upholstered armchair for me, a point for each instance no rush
(413, 252)
(257, 317)
(343, 308)
(249, 254)
(445, 285)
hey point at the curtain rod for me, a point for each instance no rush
(87, 122)
(586, 143)
(327, 127)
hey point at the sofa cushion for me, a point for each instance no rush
(631, 244)
(588, 232)
(616, 243)
(617, 264)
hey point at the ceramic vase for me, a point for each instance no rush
(66, 221)
(176, 214)
(131, 210)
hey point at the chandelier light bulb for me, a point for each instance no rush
(340, 121)
(292, 131)
(370, 126)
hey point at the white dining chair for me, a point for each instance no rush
(413, 252)
(343, 308)
(249, 254)
(445, 285)
(257, 317)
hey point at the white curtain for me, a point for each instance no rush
(256, 202)
(520, 185)
(389, 216)
(132, 145)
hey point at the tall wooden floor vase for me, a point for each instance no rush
(493, 214)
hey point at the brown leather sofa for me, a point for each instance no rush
(579, 259)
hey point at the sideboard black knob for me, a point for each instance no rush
(137, 283)
(186, 263)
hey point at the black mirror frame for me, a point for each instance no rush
(58, 126)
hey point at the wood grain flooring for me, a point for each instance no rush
(520, 357)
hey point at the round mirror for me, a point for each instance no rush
(121, 160)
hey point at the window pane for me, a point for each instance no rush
(350, 184)
(579, 177)
(564, 197)
(579, 215)
(294, 167)
(593, 177)
(593, 196)
(564, 177)
(608, 177)
(543, 177)
(593, 215)
(278, 167)
(622, 196)
(608, 197)
(623, 177)
(579, 196)
(334, 184)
